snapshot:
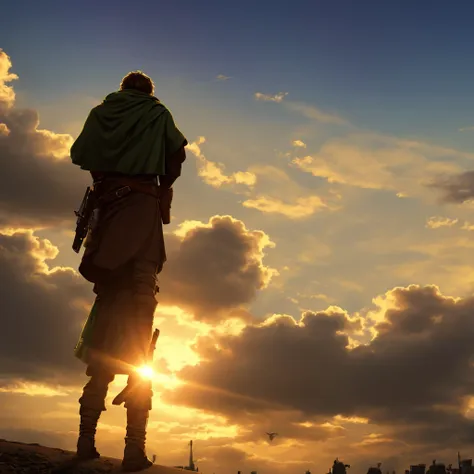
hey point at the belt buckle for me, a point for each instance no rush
(123, 191)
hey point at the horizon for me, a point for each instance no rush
(320, 272)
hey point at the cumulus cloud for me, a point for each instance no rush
(7, 94)
(39, 185)
(214, 173)
(420, 337)
(215, 267)
(43, 309)
(214, 271)
(270, 98)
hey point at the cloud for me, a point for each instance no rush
(214, 271)
(436, 222)
(314, 113)
(455, 188)
(40, 187)
(466, 129)
(4, 130)
(277, 193)
(372, 161)
(216, 268)
(214, 173)
(304, 206)
(309, 111)
(294, 206)
(299, 144)
(43, 310)
(309, 366)
(221, 77)
(34, 390)
(467, 226)
(7, 94)
(271, 98)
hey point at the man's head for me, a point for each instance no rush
(139, 81)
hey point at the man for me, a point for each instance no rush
(128, 143)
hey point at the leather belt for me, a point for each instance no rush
(127, 185)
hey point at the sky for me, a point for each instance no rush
(320, 256)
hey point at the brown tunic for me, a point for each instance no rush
(124, 254)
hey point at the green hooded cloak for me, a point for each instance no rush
(123, 133)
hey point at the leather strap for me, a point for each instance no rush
(127, 185)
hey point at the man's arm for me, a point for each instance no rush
(173, 167)
(175, 155)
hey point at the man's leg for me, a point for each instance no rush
(139, 398)
(92, 404)
(138, 405)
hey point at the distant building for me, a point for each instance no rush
(418, 469)
(437, 468)
(191, 465)
(466, 466)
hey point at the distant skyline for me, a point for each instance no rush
(320, 257)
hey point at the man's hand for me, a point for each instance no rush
(166, 196)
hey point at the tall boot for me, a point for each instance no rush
(134, 456)
(92, 404)
(87, 429)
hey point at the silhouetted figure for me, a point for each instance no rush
(134, 152)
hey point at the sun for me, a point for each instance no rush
(146, 371)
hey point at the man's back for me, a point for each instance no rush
(130, 132)
(127, 144)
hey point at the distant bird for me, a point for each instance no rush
(272, 435)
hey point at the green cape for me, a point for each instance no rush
(130, 132)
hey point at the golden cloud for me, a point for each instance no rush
(304, 206)
(213, 173)
(7, 93)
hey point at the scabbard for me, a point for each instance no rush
(122, 396)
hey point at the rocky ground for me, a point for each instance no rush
(21, 458)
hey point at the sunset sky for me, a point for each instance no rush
(321, 253)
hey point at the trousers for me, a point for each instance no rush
(124, 254)
(139, 392)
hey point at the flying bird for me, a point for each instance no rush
(272, 435)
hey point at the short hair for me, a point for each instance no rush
(138, 81)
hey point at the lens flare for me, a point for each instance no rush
(146, 371)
